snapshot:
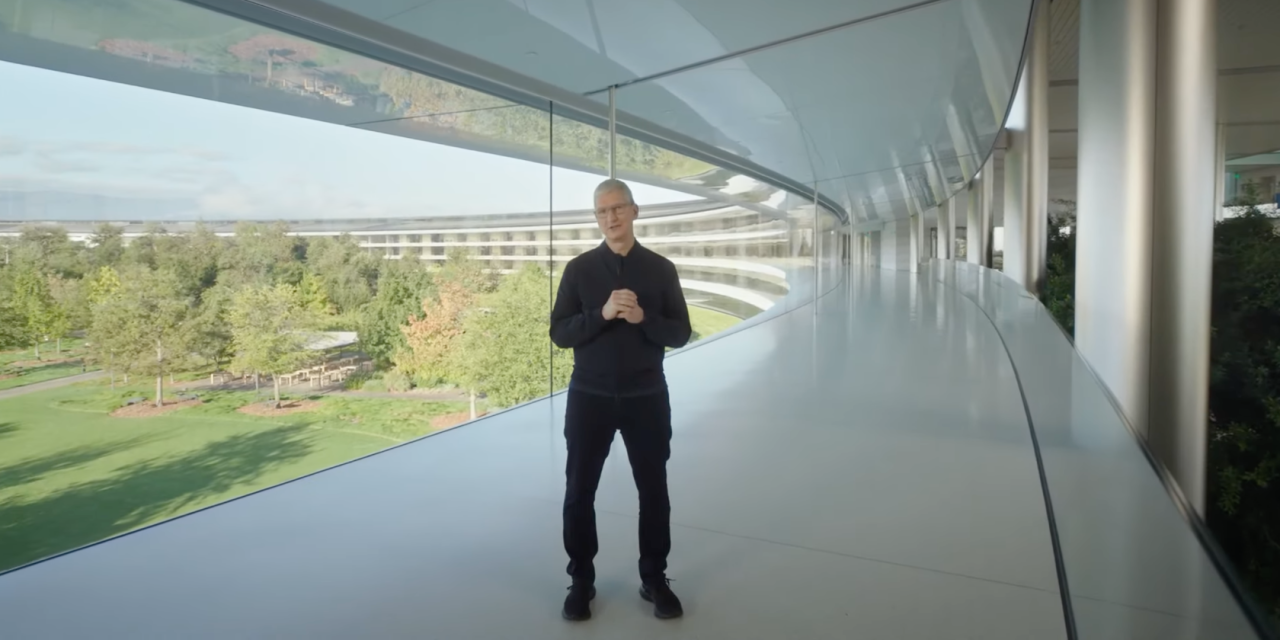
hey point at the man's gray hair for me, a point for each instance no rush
(613, 184)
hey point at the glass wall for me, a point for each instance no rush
(232, 257)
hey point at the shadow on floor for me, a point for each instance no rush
(139, 494)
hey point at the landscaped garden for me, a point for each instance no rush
(72, 474)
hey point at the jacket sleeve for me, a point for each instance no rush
(571, 325)
(671, 327)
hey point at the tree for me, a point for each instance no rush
(431, 337)
(349, 274)
(49, 250)
(262, 255)
(106, 246)
(1244, 398)
(401, 289)
(272, 48)
(105, 324)
(209, 335)
(1060, 284)
(313, 296)
(270, 329)
(11, 334)
(72, 295)
(142, 326)
(504, 351)
(34, 305)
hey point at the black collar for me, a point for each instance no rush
(604, 249)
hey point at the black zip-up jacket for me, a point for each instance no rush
(615, 357)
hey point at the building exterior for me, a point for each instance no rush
(732, 259)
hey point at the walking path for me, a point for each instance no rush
(50, 384)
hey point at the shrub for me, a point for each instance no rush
(397, 381)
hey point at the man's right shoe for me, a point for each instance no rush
(577, 605)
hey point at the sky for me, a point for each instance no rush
(89, 140)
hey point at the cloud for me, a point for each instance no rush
(48, 163)
(12, 146)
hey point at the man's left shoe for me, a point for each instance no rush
(665, 603)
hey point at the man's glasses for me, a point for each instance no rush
(615, 210)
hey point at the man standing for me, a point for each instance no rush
(619, 307)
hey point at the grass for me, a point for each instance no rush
(71, 348)
(50, 367)
(706, 322)
(70, 474)
(42, 373)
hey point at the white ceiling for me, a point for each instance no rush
(1248, 82)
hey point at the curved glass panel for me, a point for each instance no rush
(1131, 560)
(924, 91)
(209, 287)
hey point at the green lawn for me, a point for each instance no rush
(41, 373)
(707, 322)
(51, 366)
(71, 348)
(71, 474)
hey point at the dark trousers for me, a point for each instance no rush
(589, 423)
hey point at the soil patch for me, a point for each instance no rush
(453, 419)
(149, 409)
(265, 409)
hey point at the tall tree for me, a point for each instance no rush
(40, 314)
(106, 246)
(72, 303)
(1244, 397)
(262, 255)
(401, 289)
(432, 337)
(144, 324)
(105, 324)
(348, 272)
(49, 250)
(270, 329)
(209, 334)
(504, 351)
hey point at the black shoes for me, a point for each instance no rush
(665, 603)
(577, 605)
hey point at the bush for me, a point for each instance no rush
(397, 381)
(1244, 400)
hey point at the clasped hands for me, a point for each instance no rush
(623, 304)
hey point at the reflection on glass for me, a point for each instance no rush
(253, 294)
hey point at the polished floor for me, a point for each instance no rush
(858, 469)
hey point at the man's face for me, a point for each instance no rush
(615, 214)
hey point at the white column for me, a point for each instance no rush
(972, 227)
(1026, 166)
(1114, 196)
(955, 209)
(986, 211)
(1182, 242)
(917, 240)
(944, 236)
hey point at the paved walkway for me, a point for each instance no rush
(50, 384)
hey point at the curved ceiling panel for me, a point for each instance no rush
(887, 116)
(585, 45)
(923, 92)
